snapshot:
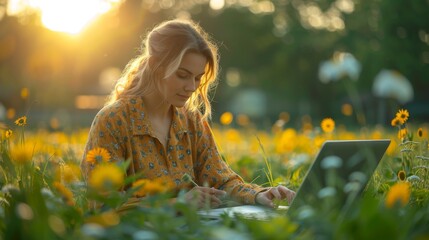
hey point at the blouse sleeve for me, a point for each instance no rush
(212, 170)
(106, 132)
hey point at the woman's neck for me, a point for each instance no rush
(160, 115)
(156, 107)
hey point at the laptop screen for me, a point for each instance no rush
(339, 174)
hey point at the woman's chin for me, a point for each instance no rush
(179, 105)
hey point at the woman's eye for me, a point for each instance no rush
(183, 76)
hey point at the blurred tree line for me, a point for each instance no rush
(274, 47)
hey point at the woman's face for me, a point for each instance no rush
(177, 88)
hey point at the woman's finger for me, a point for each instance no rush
(286, 193)
(202, 196)
(213, 191)
(275, 192)
(207, 198)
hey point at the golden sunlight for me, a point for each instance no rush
(68, 16)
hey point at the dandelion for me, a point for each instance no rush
(401, 175)
(22, 121)
(398, 194)
(420, 132)
(396, 122)
(328, 125)
(8, 133)
(403, 115)
(65, 193)
(106, 177)
(226, 118)
(98, 155)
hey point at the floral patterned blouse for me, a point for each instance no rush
(125, 131)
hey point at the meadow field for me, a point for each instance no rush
(43, 195)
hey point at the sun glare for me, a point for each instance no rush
(68, 16)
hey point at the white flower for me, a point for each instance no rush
(327, 192)
(341, 65)
(329, 71)
(390, 83)
(351, 66)
(331, 162)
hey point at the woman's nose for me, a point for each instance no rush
(191, 86)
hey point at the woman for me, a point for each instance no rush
(153, 118)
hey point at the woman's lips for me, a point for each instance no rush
(185, 97)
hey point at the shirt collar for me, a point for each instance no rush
(179, 125)
(141, 125)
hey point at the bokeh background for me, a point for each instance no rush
(291, 60)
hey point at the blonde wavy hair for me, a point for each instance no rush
(161, 54)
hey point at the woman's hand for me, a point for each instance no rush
(280, 192)
(204, 196)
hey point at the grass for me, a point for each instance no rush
(44, 196)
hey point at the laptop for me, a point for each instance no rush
(339, 175)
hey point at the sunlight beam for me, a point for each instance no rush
(68, 16)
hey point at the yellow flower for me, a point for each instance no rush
(397, 122)
(146, 187)
(233, 135)
(10, 113)
(347, 109)
(21, 154)
(105, 219)
(98, 155)
(22, 121)
(287, 141)
(398, 193)
(139, 187)
(226, 118)
(24, 93)
(402, 133)
(401, 175)
(70, 173)
(420, 132)
(285, 116)
(328, 125)
(403, 114)
(54, 123)
(65, 193)
(243, 120)
(8, 133)
(106, 176)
